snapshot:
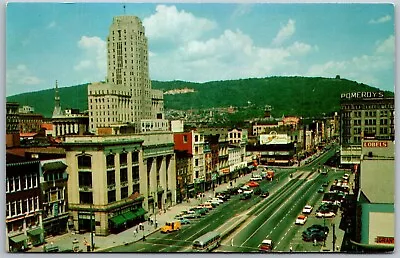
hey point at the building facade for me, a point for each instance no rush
(364, 115)
(23, 214)
(115, 180)
(12, 124)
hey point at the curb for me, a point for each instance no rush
(126, 243)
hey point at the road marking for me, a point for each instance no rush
(199, 230)
(272, 215)
(141, 249)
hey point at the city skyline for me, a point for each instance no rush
(202, 42)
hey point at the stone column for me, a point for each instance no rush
(76, 128)
(171, 172)
(163, 180)
(143, 181)
(66, 128)
(62, 129)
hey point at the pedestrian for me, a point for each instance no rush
(156, 223)
(315, 242)
(232, 242)
(291, 249)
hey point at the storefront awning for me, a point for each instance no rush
(118, 220)
(35, 232)
(130, 215)
(18, 239)
(140, 212)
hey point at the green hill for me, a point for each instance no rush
(303, 96)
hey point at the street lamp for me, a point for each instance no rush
(326, 233)
(91, 227)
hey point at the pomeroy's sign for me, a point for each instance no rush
(362, 94)
(375, 144)
(384, 240)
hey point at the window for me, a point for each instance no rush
(18, 183)
(85, 179)
(111, 177)
(196, 138)
(110, 160)
(7, 185)
(13, 204)
(23, 183)
(19, 207)
(123, 175)
(185, 138)
(123, 159)
(135, 173)
(86, 197)
(136, 188)
(8, 210)
(84, 161)
(135, 157)
(34, 180)
(11, 184)
(196, 162)
(111, 196)
(124, 192)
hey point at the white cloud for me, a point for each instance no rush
(21, 75)
(94, 58)
(232, 55)
(387, 46)
(169, 23)
(364, 68)
(285, 32)
(51, 25)
(383, 19)
(241, 10)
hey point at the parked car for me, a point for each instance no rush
(310, 235)
(192, 215)
(307, 209)
(301, 220)
(184, 221)
(321, 190)
(217, 200)
(245, 196)
(257, 191)
(253, 184)
(243, 188)
(264, 194)
(256, 178)
(325, 184)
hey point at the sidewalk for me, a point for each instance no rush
(64, 242)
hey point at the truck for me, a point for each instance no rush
(270, 175)
(171, 226)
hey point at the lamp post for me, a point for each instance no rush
(91, 227)
(325, 234)
(334, 237)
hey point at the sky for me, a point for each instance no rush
(203, 42)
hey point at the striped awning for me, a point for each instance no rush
(19, 238)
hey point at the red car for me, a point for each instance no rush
(252, 184)
(266, 245)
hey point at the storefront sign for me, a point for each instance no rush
(375, 144)
(362, 95)
(384, 240)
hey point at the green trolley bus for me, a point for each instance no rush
(207, 242)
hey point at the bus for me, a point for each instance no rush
(207, 242)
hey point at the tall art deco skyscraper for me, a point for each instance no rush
(126, 97)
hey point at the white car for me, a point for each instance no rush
(307, 209)
(243, 188)
(256, 178)
(216, 200)
(328, 214)
(248, 191)
(301, 220)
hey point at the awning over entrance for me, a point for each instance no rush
(140, 212)
(130, 215)
(35, 232)
(18, 239)
(118, 220)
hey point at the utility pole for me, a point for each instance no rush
(334, 237)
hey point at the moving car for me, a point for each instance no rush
(327, 214)
(266, 245)
(301, 220)
(307, 209)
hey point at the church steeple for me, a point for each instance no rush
(57, 106)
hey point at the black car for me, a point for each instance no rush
(318, 235)
(319, 227)
(245, 196)
(257, 191)
(264, 194)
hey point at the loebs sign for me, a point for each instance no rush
(362, 95)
